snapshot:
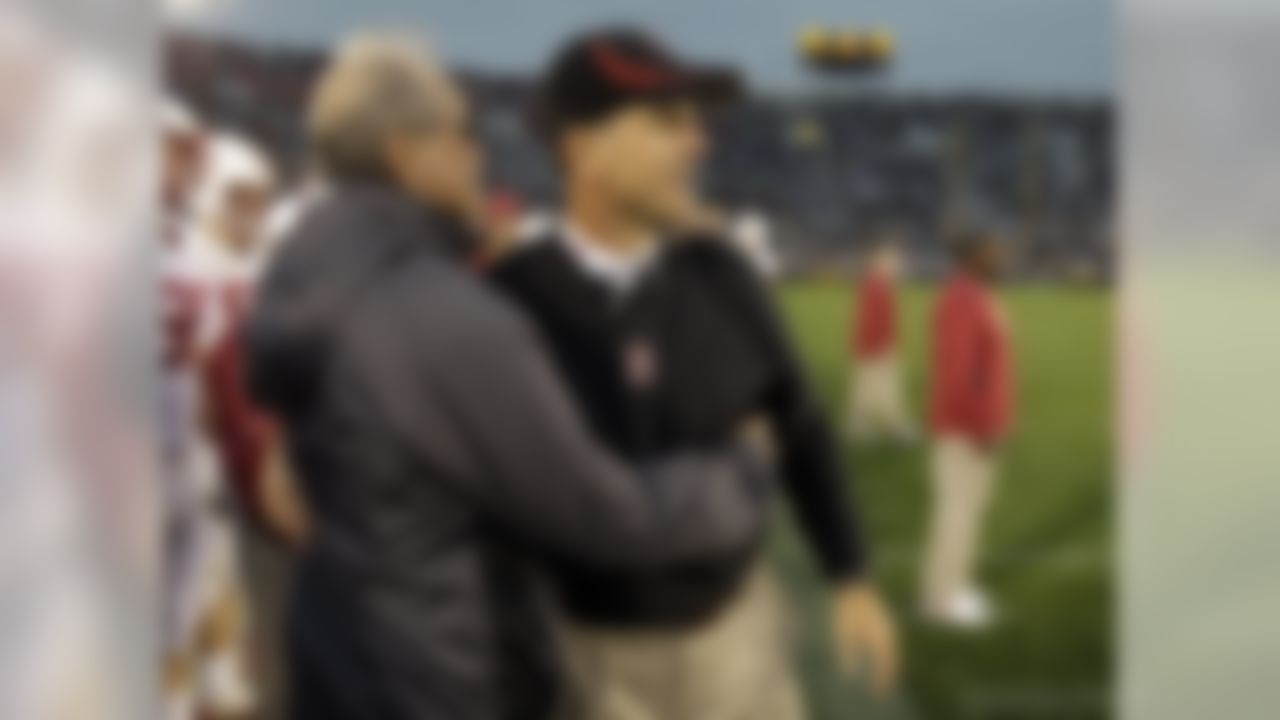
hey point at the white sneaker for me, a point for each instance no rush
(226, 687)
(970, 609)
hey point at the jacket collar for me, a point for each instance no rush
(403, 219)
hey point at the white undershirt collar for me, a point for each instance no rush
(619, 270)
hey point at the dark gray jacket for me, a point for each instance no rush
(439, 454)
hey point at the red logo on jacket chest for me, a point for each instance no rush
(640, 363)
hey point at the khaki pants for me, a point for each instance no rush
(737, 666)
(963, 475)
(876, 404)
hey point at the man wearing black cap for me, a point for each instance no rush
(669, 342)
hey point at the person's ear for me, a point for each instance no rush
(572, 147)
(395, 155)
(580, 151)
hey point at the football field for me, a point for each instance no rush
(1046, 555)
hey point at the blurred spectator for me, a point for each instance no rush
(205, 653)
(972, 408)
(876, 405)
(77, 471)
(234, 245)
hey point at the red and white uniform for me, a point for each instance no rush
(239, 431)
(214, 441)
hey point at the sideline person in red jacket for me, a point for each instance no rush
(972, 412)
(876, 405)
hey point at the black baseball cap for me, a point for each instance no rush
(604, 70)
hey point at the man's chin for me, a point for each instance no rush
(674, 216)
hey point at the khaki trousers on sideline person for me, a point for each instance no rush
(876, 404)
(737, 666)
(963, 473)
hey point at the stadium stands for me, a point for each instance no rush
(827, 169)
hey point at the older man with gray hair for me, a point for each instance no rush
(434, 445)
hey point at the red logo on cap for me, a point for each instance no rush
(627, 72)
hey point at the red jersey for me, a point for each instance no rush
(973, 385)
(241, 432)
(876, 332)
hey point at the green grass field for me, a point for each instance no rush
(1047, 551)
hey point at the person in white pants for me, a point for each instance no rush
(877, 409)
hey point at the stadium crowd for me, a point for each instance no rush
(827, 169)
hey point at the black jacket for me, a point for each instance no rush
(718, 356)
(438, 452)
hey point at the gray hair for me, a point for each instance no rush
(377, 85)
